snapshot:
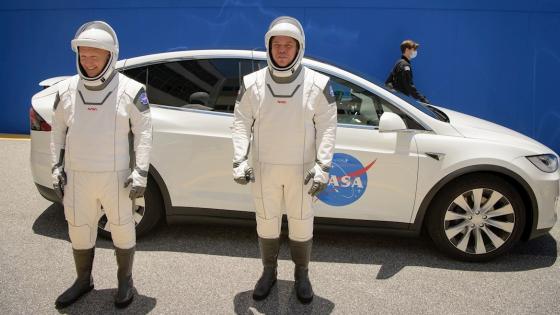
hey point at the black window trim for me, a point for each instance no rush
(324, 71)
(199, 111)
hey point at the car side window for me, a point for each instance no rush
(206, 84)
(355, 105)
(358, 106)
(260, 64)
(137, 74)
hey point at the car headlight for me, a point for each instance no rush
(546, 162)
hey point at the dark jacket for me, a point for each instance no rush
(400, 79)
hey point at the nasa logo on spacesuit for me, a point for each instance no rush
(347, 180)
(143, 98)
(331, 92)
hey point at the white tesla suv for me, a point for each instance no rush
(400, 165)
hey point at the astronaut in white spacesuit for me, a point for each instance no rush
(290, 111)
(100, 146)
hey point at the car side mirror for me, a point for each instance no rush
(391, 122)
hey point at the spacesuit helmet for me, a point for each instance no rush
(96, 34)
(285, 26)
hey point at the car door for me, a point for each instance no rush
(374, 174)
(192, 105)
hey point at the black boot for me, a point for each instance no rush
(83, 258)
(269, 255)
(125, 293)
(301, 254)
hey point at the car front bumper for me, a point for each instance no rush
(540, 232)
(546, 187)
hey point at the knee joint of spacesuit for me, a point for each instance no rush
(268, 228)
(123, 235)
(83, 236)
(300, 230)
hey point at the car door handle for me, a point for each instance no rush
(435, 155)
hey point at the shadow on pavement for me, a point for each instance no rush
(282, 300)
(101, 302)
(392, 253)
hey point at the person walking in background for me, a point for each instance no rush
(400, 78)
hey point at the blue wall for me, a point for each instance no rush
(498, 60)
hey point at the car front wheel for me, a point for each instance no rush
(476, 218)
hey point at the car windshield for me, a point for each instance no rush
(427, 109)
(423, 107)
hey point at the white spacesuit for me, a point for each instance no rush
(98, 123)
(291, 114)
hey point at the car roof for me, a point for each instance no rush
(187, 54)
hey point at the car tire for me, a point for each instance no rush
(476, 217)
(146, 217)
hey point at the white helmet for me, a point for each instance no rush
(97, 34)
(285, 26)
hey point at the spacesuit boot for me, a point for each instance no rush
(125, 292)
(83, 259)
(301, 254)
(269, 254)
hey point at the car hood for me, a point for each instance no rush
(476, 128)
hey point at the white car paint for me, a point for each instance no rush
(192, 152)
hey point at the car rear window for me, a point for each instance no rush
(204, 84)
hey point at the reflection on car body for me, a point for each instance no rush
(399, 165)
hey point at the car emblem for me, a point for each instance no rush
(347, 180)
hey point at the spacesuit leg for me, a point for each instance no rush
(299, 204)
(118, 207)
(81, 212)
(81, 209)
(267, 196)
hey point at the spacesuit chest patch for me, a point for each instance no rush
(329, 94)
(143, 98)
(141, 101)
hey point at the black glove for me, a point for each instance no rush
(136, 191)
(320, 178)
(59, 181)
(243, 173)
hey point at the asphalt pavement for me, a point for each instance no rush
(211, 269)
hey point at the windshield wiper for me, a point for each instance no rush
(438, 112)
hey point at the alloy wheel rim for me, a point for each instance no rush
(479, 221)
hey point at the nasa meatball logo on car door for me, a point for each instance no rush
(347, 180)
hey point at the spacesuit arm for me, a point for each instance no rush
(141, 126)
(58, 135)
(242, 124)
(325, 120)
